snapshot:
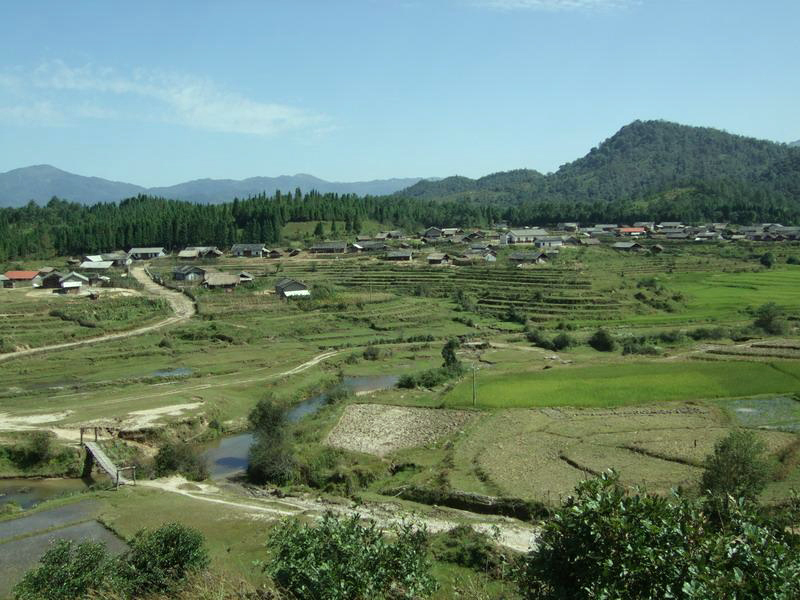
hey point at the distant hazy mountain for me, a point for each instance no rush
(42, 182)
(797, 143)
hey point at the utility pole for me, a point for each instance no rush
(474, 390)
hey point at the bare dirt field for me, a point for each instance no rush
(379, 429)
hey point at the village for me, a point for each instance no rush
(435, 246)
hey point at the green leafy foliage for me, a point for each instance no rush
(160, 559)
(180, 457)
(270, 459)
(606, 543)
(738, 468)
(344, 559)
(66, 571)
(602, 341)
(769, 318)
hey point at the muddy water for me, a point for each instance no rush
(228, 455)
(30, 492)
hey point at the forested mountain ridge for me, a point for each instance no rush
(641, 159)
(42, 182)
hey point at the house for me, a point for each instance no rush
(329, 248)
(371, 246)
(524, 236)
(432, 233)
(146, 253)
(276, 254)
(438, 258)
(631, 231)
(657, 249)
(20, 278)
(245, 277)
(628, 246)
(398, 255)
(72, 282)
(567, 227)
(96, 266)
(188, 273)
(519, 258)
(291, 288)
(589, 241)
(671, 225)
(677, 237)
(52, 280)
(607, 227)
(248, 250)
(119, 258)
(386, 235)
(549, 241)
(451, 231)
(3, 281)
(646, 225)
(196, 252)
(226, 281)
(292, 253)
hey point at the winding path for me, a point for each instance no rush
(182, 307)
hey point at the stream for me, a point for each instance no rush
(27, 493)
(227, 456)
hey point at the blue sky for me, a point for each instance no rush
(156, 93)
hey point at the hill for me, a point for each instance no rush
(42, 182)
(797, 143)
(641, 159)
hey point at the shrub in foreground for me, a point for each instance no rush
(180, 457)
(345, 559)
(606, 543)
(158, 561)
(66, 571)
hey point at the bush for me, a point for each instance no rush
(767, 259)
(180, 457)
(270, 461)
(267, 418)
(40, 448)
(737, 468)
(537, 338)
(372, 353)
(636, 346)
(606, 543)
(602, 341)
(451, 362)
(562, 341)
(343, 559)
(407, 382)
(708, 333)
(468, 548)
(769, 318)
(793, 260)
(158, 560)
(66, 571)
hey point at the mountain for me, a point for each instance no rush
(42, 182)
(641, 159)
(797, 143)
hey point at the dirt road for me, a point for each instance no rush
(181, 305)
(511, 533)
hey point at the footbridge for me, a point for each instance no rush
(95, 455)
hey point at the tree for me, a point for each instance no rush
(319, 230)
(270, 459)
(602, 341)
(768, 259)
(345, 559)
(451, 362)
(607, 543)
(737, 468)
(769, 318)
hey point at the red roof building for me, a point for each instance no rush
(21, 275)
(631, 231)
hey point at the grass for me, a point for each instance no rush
(627, 383)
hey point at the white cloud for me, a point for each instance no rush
(37, 113)
(103, 93)
(553, 5)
